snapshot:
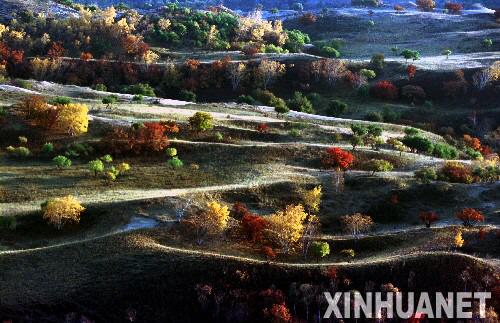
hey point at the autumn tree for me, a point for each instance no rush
(253, 226)
(468, 216)
(356, 223)
(268, 71)
(312, 199)
(72, 119)
(378, 165)
(428, 218)
(287, 226)
(211, 221)
(337, 158)
(201, 121)
(61, 211)
(236, 73)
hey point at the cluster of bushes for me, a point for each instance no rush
(21, 151)
(416, 142)
(455, 172)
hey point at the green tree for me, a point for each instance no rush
(410, 54)
(418, 144)
(96, 166)
(296, 40)
(320, 249)
(300, 103)
(109, 100)
(201, 121)
(62, 162)
(337, 108)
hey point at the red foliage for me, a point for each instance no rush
(482, 234)
(354, 79)
(338, 158)
(457, 173)
(7, 54)
(411, 70)
(262, 128)
(86, 56)
(308, 18)
(486, 150)
(279, 313)
(332, 273)
(469, 215)
(251, 50)
(192, 65)
(268, 252)
(149, 137)
(428, 218)
(239, 210)
(472, 142)
(254, 226)
(56, 50)
(454, 7)
(384, 90)
(17, 56)
(270, 296)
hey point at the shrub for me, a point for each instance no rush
(456, 173)
(348, 253)
(411, 131)
(359, 129)
(201, 121)
(262, 128)
(112, 173)
(253, 226)
(426, 174)
(327, 51)
(140, 88)
(62, 162)
(171, 152)
(418, 144)
(384, 90)
(336, 108)
(413, 93)
(139, 138)
(123, 168)
(18, 152)
(96, 166)
(445, 151)
(138, 98)
(468, 216)
(374, 116)
(188, 96)
(369, 74)
(248, 99)
(320, 249)
(73, 119)
(410, 54)
(61, 100)
(377, 61)
(218, 136)
(109, 100)
(268, 252)
(8, 222)
(300, 103)
(212, 220)
(47, 148)
(428, 218)
(107, 159)
(239, 210)
(390, 115)
(175, 163)
(378, 165)
(61, 211)
(100, 87)
(296, 40)
(453, 7)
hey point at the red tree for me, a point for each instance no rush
(268, 252)
(254, 226)
(279, 313)
(262, 128)
(384, 90)
(454, 7)
(308, 18)
(338, 158)
(411, 70)
(469, 215)
(239, 210)
(86, 56)
(428, 218)
(56, 50)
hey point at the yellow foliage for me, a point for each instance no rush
(458, 241)
(108, 16)
(216, 216)
(288, 225)
(124, 27)
(73, 119)
(164, 24)
(17, 35)
(59, 211)
(44, 67)
(494, 71)
(312, 198)
(150, 57)
(3, 29)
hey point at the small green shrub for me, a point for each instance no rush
(374, 117)
(445, 151)
(336, 108)
(101, 87)
(299, 102)
(248, 99)
(320, 249)
(426, 174)
(61, 100)
(188, 96)
(175, 163)
(47, 148)
(62, 162)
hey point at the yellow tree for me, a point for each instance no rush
(60, 211)
(213, 220)
(356, 223)
(73, 119)
(312, 199)
(458, 241)
(287, 226)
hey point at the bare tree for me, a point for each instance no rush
(236, 74)
(356, 223)
(334, 69)
(269, 71)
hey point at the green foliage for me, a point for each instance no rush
(201, 121)
(369, 74)
(418, 143)
(79, 149)
(273, 49)
(410, 54)
(377, 61)
(379, 165)
(140, 88)
(390, 115)
(487, 42)
(218, 136)
(330, 52)
(189, 96)
(3, 111)
(138, 98)
(47, 148)
(248, 99)
(320, 249)
(96, 166)
(100, 87)
(296, 40)
(107, 159)
(18, 152)
(337, 108)
(61, 100)
(474, 154)
(374, 116)
(110, 100)
(299, 102)
(356, 141)
(375, 130)
(62, 162)
(294, 133)
(359, 129)
(171, 152)
(411, 131)
(426, 174)
(348, 253)
(443, 150)
(175, 163)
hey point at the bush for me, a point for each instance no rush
(377, 61)
(138, 98)
(474, 154)
(418, 144)
(60, 211)
(175, 163)
(296, 40)
(101, 87)
(300, 103)
(188, 96)
(320, 249)
(96, 166)
(413, 93)
(201, 121)
(390, 115)
(18, 152)
(445, 151)
(330, 52)
(109, 100)
(107, 159)
(384, 90)
(248, 99)
(171, 152)
(456, 173)
(140, 88)
(62, 162)
(374, 116)
(47, 148)
(336, 108)
(61, 100)
(378, 165)
(337, 158)
(426, 174)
